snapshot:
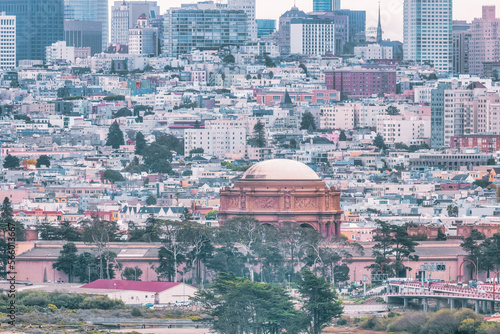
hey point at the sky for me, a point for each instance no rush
(391, 11)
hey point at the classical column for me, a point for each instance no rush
(452, 303)
(426, 305)
(405, 303)
(476, 309)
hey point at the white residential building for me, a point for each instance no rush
(216, 142)
(312, 36)
(373, 51)
(341, 116)
(409, 131)
(428, 32)
(8, 37)
(59, 51)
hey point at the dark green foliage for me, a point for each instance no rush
(67, 260)
(151, 200)
(269, 61)
(136, 312)
(43, 160)
(304, 68)
(31, 298)
(293, 143)
(481, 183)
(196, 151)
(114, 98)
(250, 307)
(62, 231)
(379, 142)
(308, 121)
(123, 112)
(259, 132)
(187, 172)
(342, 136)
(452, 210)
(393, 249)
(11, 162)
(320, 301)
(229, 59)
(132, 274)
(112, 176)
(441, 236)
(392, 111)
(140, 143)
(115, 136)
(491, 162)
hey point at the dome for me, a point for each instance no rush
(280, 169)
(142, 17)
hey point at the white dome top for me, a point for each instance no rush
(280, 169)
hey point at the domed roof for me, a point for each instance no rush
(280, 169)
(142, 17)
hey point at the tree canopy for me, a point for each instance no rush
(112, 176)
(308, 121)
(11, 162)
(115, 136)
(43, 160)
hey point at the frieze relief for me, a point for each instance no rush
(267, 202)
(305, 203)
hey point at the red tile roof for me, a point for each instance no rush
(129, 285)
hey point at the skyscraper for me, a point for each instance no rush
(39, 24)
(124, 16)
(461, 40)
(428, 32)
(326, 5)
(248, 6)
(89, 10)
(484, 44)
(203, 26)
(8, 37)
(357, 24)
(81, 34)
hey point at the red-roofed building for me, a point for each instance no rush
(138, 292)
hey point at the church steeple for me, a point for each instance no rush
(379, 28)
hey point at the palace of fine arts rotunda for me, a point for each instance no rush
(279, 191)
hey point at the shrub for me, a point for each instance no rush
(369, 323)
(136, 312)
(441, 322)
(410, 322)
(393, 314)
(342, 322)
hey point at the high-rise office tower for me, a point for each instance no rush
(265, 27)
(461, 40)
(312, 36)
(203, 26)
(82, 34)
(326, 5)
(484, 44)
(89, 10)
(124, 16)
(428, 32)
(8, 37)
(357, 24)
(39, 23)
(248, 6)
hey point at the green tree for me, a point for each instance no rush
(186, 215)
(308, 121)
(473, 249)
(11, 162)
(304, 68)
(392, 111)
(259, 131)
(101, 233)
(342, 136)
(293, 143)
(197, 150)
(8, 223)
(491, 162)
(151, 200)
(452, 210)
(229, 59)
(112, 176)
(115, 136)
(269, 61)
(379, 142)
(238, 305)
(123, 112)
(320, 301)
(132, 274)
(68, 232)
(43, 160)
(67, 260)
(441, 236)
(140, 143)
(393, 248)
(211, 215)
(482, 183)
(173, 252)
(197, 125)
